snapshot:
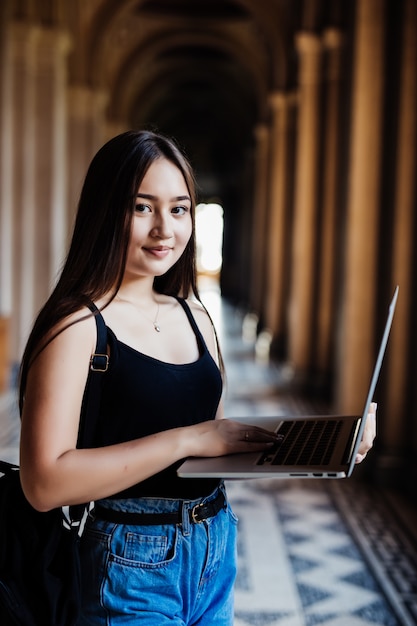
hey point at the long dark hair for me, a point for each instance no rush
(97, 255)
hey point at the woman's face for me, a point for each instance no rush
(162, 224)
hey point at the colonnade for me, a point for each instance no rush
(49, 131)
(296, 283)
(319, 286)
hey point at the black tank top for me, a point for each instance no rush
(142, 396)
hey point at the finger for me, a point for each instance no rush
(367, 440)
(254, 446)
(369, 434)
(372, 409)
(370, 426)
(260, 435)
(360, 457)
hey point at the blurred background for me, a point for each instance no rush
(299, 117)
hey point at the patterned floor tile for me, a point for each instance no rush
(298, 561)
(263, 619)
(9, 428)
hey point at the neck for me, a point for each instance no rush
(138, 292)
(146, 309)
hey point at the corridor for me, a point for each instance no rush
(310, 552)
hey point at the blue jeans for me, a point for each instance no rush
(182, 575)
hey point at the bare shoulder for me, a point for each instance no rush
(203, 320)
(77, 329)
(200, 313)
(63, 355)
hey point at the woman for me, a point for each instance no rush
(133, 256)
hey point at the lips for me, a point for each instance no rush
(158, 251)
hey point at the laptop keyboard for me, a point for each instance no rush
(307, 442)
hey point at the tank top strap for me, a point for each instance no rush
(192, 321)
(100, 323)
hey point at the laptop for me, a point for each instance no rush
(312, 446)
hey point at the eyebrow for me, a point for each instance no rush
(149, 196)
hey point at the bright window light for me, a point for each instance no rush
(209, 236)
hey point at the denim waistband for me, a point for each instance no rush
(161, 511)
(156, 505)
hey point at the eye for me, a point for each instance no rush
(179, 210)
(142, 208)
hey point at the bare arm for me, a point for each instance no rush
(54, 472)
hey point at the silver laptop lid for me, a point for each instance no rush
(374, 379)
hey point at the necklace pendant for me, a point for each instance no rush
(157, 328)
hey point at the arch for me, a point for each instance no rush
(266, 23)
(130, 83)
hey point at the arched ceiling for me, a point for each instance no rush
(200, 70)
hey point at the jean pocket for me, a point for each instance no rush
(144, 547)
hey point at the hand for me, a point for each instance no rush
(369, 434)
(224, 436)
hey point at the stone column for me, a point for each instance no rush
(6, 208)
(86, 134)
(332, 43)
(24, 39)
(403, 228)
(6, 215)
(50, 167)
(305, 203)
(356, 348)
(278, 235)
(259, 217)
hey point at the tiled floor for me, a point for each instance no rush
(330, 553)
(9, 428)
(302, 563)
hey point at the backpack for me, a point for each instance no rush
(40, 577)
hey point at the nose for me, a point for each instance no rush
(162, 227)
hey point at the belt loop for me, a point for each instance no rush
(186, 523)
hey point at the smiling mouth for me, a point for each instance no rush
(161, 251)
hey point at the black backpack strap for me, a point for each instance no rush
(99, 364)
(99, 361)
